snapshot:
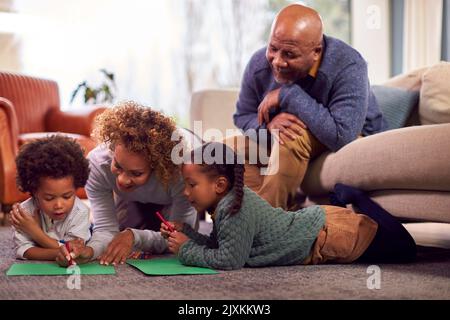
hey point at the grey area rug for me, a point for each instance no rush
(428, 278)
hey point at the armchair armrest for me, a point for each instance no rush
(8, 151)
(72, 122)
(10, 124)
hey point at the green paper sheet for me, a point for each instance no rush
(53, 269)
(167, 267)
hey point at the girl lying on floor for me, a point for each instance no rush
(50, 169)
(247, 231)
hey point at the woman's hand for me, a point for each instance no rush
(165, 232)
(176, 240)
(118, 249)
(78, 252)
(28, 224)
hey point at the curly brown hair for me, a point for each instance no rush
(55, 156)
(141, 130)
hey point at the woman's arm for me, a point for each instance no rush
(100, 195)
(178, 210)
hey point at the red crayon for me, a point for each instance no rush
(71, 262)
(164, 221)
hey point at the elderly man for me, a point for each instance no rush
(309, 90)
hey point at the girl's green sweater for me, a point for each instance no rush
(258, 235)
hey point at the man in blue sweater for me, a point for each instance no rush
(309, 90)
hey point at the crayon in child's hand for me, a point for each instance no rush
(168, 225)
(69, 256)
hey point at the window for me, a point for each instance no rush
(160, 51)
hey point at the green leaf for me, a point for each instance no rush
(74, 93)
(95, 95)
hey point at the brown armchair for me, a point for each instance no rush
(29, 109)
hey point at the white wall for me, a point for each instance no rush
(9, 42)
(9, 53)
(370, 36)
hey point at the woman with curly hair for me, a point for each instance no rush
(50, 169)
(132, 177)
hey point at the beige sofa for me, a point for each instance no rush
(406, 170)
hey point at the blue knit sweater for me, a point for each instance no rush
(258, 235)
(336, 106)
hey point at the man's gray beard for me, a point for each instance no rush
(283, 82)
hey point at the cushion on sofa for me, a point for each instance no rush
(412, 158)
(396, 104)
(434, 105)
(411, 81)
(415, 204)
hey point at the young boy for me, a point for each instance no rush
(50, 169)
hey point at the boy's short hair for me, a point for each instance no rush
(55, 156)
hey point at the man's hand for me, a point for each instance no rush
(176, 240)
(165, 232)
(78, 251)
(28, 224)
(270, 102)
(118, 249)
(289, 126)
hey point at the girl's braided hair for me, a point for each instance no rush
(227, 165)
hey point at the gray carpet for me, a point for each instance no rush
(428, 278)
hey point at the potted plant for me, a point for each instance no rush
(97, 95)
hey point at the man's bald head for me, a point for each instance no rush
(300, 23)
(295, 43)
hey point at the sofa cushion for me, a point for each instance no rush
(417, 205)
(412, 158)
(411, 81)
(396, 104)
(434, 105)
